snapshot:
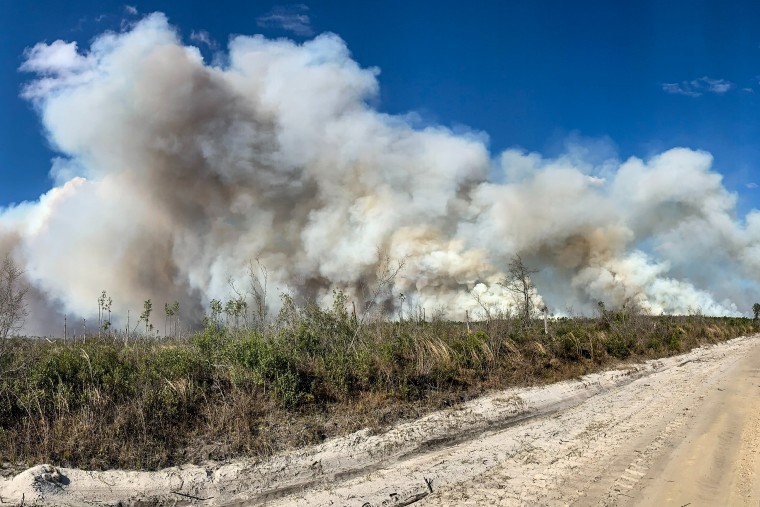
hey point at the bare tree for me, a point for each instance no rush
(258, 289)
(13, 293)
(518, 281)
(386, 275)
(172, 316)
(482, 303)
(104, 305)
(145, 316)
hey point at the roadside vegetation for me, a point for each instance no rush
(253, 386)
(226, 392)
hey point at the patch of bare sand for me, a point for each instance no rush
(605, 439)
(717, 460)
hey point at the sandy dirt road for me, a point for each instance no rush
(689, 435)
(717, 460)
(679, 431)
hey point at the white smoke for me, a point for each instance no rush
(176, 173)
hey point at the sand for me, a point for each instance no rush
(680, 430)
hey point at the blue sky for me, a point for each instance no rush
(640, 77)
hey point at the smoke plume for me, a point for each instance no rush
(174, 174)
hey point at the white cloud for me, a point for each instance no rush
(59, 64)
(698, 87)
(751, 185)
(679, 89)
(203, 37)
(291, 18)
(719, 86)
(54, 59)
(130, 9)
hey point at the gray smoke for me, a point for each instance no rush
(175, 173)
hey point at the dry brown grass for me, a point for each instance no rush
(227, 393)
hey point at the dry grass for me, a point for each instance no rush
(227, 393)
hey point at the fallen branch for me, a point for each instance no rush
(413, 499)
(191, 496)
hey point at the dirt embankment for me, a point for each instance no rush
(683, 430)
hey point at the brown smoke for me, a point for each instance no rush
(174, 174)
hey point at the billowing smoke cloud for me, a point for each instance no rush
(174, 174)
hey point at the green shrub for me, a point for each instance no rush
(617, 346)
(675, 342)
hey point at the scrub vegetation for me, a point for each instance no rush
(236, 389)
